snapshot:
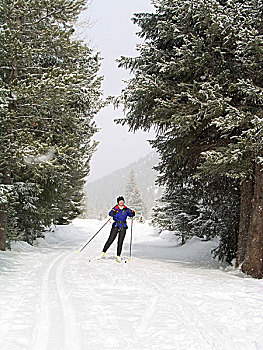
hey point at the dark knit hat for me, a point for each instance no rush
(120, 198)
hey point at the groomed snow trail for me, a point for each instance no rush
(165, 298)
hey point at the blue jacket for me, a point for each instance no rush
(121, 216)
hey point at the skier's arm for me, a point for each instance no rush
(113, 212)
(131, 213)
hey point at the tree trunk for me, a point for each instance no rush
(3, 211)
(253, 263)
(7, 180)
(247, 191)
(3, 224)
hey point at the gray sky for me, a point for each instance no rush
(112, 33)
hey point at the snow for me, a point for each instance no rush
(42, 158)
(166, 297)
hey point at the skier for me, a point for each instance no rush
(119, 227)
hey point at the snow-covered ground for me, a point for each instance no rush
(165, 298)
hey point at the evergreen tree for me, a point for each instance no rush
(203, 209)
(218, 214)
(49, 93)
(159, 218)
(130, 186)
(198, 81)
(169, 214)
(133, 196)
(136, 204)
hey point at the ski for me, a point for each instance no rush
(122, 261)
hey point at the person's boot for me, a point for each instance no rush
(118, 259)
(101, 256)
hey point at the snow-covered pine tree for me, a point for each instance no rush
(218, 213)
(176, 211)
(198, 81)
(130, 186)
(202, 208)
(136, 204)
(159, 218)
(133, 196)
(49, 94)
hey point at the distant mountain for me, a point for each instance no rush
(102, 193)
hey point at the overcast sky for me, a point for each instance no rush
(112, 33)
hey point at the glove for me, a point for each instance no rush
(133, 213)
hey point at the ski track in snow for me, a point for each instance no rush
(55, 308)
(56, 299)
(197, 323)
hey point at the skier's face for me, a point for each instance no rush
(121, 203)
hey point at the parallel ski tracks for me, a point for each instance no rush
(190, 316)
(195, 323)
(53, 286)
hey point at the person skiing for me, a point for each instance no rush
(119, 227)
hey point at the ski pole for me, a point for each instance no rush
(94, 235)
(131, 239)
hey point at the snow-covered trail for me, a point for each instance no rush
(52, 298)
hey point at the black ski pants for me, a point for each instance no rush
(113, 234)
